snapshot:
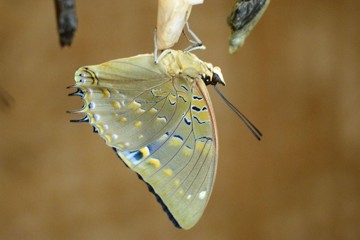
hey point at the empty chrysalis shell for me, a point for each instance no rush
(160, 121)
(242, 19)
(171, 18)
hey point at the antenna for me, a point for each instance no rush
(243, 118)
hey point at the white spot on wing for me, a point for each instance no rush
(202, 194)
(96, 117)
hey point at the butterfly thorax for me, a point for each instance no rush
(179, 63)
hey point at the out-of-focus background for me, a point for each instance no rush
(297, 78)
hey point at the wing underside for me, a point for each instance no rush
(161, 127)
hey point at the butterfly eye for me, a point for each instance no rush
(206, 79)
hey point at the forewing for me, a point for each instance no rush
(127, 101)
(161, 127)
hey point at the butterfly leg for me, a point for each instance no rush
(196, 42)
(157, 58)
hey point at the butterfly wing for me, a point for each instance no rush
(162, 127)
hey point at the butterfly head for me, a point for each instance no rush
(213, 77)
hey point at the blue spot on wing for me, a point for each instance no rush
(187, 121)
(197, 98)
(198, 120)
(182, 98)
(162, 117)
(195, 108)
(185, 88)
(156, 144)
(178, 137)
(172, 103)
(134, 156)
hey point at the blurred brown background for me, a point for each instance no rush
(297, 78)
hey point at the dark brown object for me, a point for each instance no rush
(5, 99)
(66, 20)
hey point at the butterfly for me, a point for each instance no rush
(242, 19)
(159, 119)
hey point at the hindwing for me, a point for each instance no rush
(161, 126)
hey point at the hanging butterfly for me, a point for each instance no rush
(160, 121)
(242, 19)
(172, 17)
